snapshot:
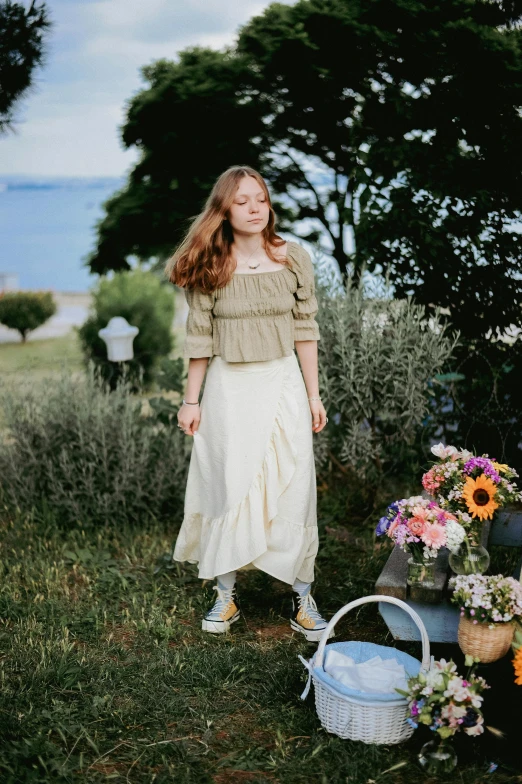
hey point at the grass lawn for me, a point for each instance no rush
(39, 358)
(107, 676)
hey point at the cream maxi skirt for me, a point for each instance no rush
(251, 495)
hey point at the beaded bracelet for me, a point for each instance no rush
(314, 398)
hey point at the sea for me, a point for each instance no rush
(47, 229)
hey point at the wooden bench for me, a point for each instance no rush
(440, 617)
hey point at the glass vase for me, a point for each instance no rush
(421, 571)
(438, 757)
(469, 559)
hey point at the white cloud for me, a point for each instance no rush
(70, 122)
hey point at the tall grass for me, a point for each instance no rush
(88, 455)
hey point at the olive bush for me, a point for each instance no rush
(378, 361)
(147, 303)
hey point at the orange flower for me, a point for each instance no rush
(517, 664)
(479, 495)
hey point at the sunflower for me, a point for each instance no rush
(479, 496)
(517, 664)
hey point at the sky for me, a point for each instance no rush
(69, 124)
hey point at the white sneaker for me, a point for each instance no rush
(224, 612)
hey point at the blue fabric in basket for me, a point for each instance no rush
(360, 652)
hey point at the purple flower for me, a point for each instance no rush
(382, 526)
(483, 464)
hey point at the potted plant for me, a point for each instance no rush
(419, 526)
(446, 703)
(489, 607)
(472, 488)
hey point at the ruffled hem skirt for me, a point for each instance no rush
(251, 495)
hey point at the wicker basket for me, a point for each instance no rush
(370, 718)
(487, 644)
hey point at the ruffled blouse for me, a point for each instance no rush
(256, 316)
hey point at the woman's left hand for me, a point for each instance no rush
(318, 415)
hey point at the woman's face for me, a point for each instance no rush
(249, 212)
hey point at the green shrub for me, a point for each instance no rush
(146, 303)
(377, 360)
(87, 455)
(26, 310)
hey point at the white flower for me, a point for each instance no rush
(464, 454)
(444, 451)
(478, 729)
(457, 690)
(434, 679)
(455, 535)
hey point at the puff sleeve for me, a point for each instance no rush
(199, 326)
(306, 307)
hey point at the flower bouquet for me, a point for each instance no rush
(419, 526)
(489, 607)
(447, 704)
(472, 488)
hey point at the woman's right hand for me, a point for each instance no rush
(189, 418)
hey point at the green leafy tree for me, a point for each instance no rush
(22, 50)
(25, 311)
(395, 127)
(147, 303)
(189, 126)
(391, 127)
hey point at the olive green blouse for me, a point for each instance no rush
(257, 316)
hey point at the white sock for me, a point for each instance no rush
(226, 581)
(301, 588)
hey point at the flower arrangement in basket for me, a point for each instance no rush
(472, 488)
(421, 527)
(446, 703)
(489, 606)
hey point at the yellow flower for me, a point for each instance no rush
(479, 496)
(517, 664)
(502, 467)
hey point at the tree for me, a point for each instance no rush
(396, 127)
(189, 126)
(391, 126)
(22, 50)
(25, 311)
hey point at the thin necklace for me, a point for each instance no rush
(255, 266)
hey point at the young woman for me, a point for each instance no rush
(250, 500)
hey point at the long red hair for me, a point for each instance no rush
(204, 259)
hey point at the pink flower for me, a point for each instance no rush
(416, 526)
(434, 535)
(393, 526)
(430, 481)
